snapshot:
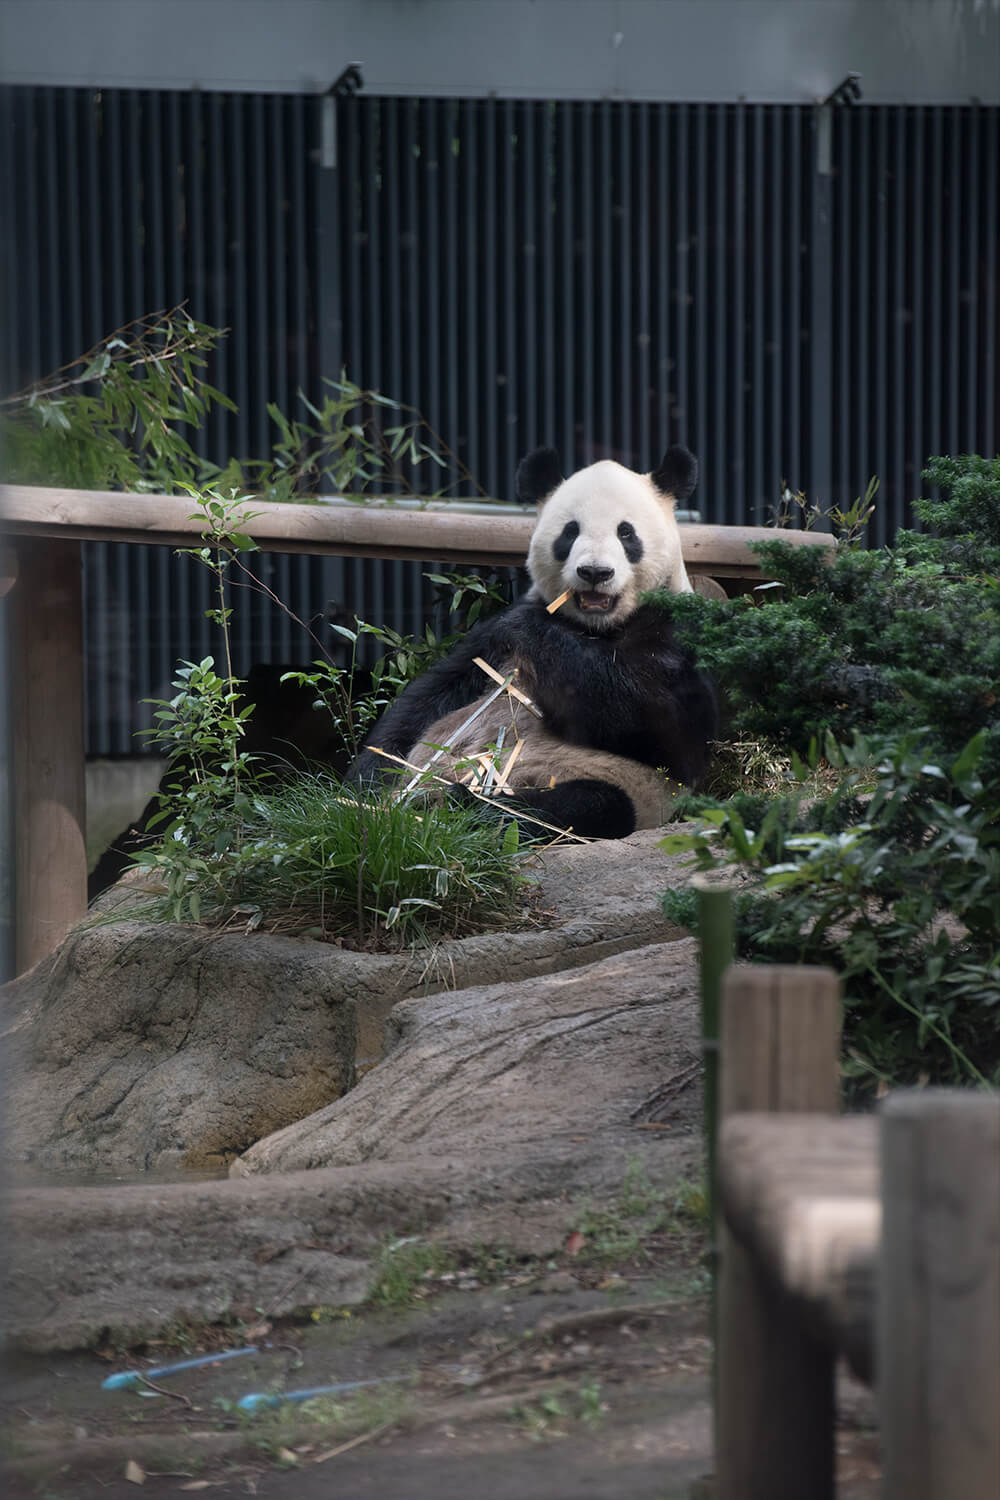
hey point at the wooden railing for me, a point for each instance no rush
(874, 1237)
(41, 565)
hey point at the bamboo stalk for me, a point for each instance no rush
(502, 779)
(515, 812)
(514, 692)
(460, 730)
(491, 772)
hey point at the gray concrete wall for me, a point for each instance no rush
(765, 51)
(117, 792)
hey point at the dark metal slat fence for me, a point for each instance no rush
(608, 277)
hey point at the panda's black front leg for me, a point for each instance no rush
(594, 809)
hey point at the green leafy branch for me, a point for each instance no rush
(347, 449)
(122, 417)
(114, 417)
(904, 901)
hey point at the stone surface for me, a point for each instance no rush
(504, 1069)
(139, 1047)
(499, 1116)
(500, 1112)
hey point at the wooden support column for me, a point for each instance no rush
(780, 1045)
(49, 801)
(938, 1351)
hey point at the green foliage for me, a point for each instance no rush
(894, 880)
(848, 526)
(616, 1232)
(200, 728)
(314, 857)
(306, 855)
(122, 417)
(550, 1415)
(402, 1266)
(972, 511)
(345, 447)
(353, 709)
(117, 417)
(302, 853)
(885, 641)
(893, 877)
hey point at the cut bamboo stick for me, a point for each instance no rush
(502, 778)
(504, 684)
(515, 692)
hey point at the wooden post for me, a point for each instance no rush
(715, 942)
(774, 1421)
(46, 670)
(938, 1351)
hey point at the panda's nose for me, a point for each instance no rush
(594, 576)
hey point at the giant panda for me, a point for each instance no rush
(620, 712)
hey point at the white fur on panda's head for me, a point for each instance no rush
(607, 534)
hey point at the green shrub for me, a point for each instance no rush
(121, 416)
(311, 856)
(244, 842)
(893, 880)
(887, 641)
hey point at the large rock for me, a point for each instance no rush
(140, 1047)
(500, 1115)
(524, 1070)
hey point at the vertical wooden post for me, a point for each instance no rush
(774, 1421)
(715, 944)
(46, 671)
(938, 1350)
(715, 941)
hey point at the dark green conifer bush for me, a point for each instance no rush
(886, 641)
(894, 878)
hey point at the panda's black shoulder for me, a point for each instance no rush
(648, 627)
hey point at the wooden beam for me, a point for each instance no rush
(439, 531)
(46, 668)
(939, 1296)
(804, 1198)
(780, 1039)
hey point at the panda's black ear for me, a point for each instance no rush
(538, 475)
(677, 473)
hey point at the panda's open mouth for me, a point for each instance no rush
(595, 603)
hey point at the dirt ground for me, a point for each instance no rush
(506, 1381)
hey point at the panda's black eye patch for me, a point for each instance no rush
(630, 540)
(563, 544)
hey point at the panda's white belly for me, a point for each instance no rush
(533, 757)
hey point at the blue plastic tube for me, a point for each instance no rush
(133, 1377)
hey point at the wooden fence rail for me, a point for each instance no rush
(874, 1237)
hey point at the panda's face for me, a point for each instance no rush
(607, 535)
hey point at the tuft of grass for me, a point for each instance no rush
(629, 1228)
(316, 858)
(552, 1413)
(402, 1266)
(691, 1203)
(615, 1232)
(391, 1405)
